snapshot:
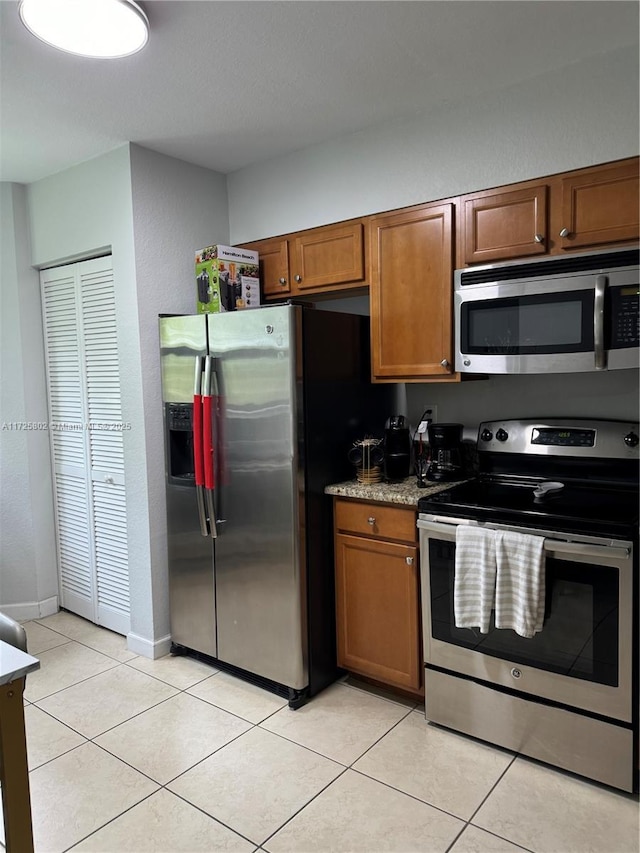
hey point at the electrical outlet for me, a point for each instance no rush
(431, 413)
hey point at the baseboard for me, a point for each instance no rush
(148, 648)
(28, 610)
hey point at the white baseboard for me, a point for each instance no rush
(27, 610)
(49, 606)
(148, 648)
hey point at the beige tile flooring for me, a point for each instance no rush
(128, 754)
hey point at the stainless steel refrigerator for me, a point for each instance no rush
(260, 409)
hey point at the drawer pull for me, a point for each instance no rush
(408, 561)
(371, 520)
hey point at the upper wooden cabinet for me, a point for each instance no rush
(273, 256)
(600, 206)
(505, 224)
(580, 210)
(322, 259)
(411, 294)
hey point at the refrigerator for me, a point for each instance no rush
(260, 409)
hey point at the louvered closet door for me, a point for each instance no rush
(87, 441)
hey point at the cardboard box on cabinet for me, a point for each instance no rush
(227, 279)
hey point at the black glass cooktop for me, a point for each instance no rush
(600, 511)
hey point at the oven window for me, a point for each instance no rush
(544, 323)
(579, 637)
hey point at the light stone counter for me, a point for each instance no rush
(405, 492)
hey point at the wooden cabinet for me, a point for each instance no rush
(585, 209)
(377, 593)
(411, 294)
(600, 206)
(326, 259)
(501, 225)
(273, 255)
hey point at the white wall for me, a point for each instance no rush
(152, 212)
(28, 574)
(583, 115)
(177, 209)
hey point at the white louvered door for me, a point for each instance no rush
(86, 432)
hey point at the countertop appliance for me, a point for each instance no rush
(568, 695)
(445, 453)
(550, 315)
(397, 449)
(260, 408)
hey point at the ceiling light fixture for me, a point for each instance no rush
(106, 29)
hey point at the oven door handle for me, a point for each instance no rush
(448, 524)
(587, 550)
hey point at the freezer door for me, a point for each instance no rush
(259, 573)
(190, 550)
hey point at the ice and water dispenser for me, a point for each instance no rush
(179, 443)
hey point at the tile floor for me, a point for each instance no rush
(128, 754)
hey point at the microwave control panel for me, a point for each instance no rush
(625, 329)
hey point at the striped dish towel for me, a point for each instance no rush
(475, 577)
(520, 582)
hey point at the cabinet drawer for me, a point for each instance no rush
(376, 520)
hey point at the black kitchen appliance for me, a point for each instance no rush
(397, 448)
(568, 695)
(445, 452)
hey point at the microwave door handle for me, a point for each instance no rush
(198, 458)
(598, 323)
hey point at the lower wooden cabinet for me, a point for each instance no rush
(377, 593)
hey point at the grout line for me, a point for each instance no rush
(81, 681)
(492, 788)
(304, 806)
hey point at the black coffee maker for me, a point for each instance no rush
(445, 452)
(397, 448)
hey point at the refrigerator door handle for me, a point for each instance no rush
(198, 459)
(208, 446)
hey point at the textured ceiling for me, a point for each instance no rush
(228, 84)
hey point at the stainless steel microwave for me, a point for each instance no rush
(552, 315)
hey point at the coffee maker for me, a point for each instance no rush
(445, 452)
(397, 448)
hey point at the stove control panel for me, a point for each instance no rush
(562, 437)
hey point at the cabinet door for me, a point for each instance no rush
(328, 256)
(600, 206)
(411, 294)
(273, 256)
(499, 225)
(377, 610)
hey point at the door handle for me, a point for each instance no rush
(198, 458)
(208, 447)
(598, 323)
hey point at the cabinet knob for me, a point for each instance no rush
(282, 281)
(538, 238)
(408, 561)
(371, 520)
(444, 363)
(108, 479)
(298, 278)
(565, 232)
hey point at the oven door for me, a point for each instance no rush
(582, 658)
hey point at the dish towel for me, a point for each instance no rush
(520, 582)
(475, 577)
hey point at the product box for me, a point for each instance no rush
(227, 279)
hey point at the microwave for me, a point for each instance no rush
(551, 315)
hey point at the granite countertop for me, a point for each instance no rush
(404, 492)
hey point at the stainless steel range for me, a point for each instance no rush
(568, 694)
